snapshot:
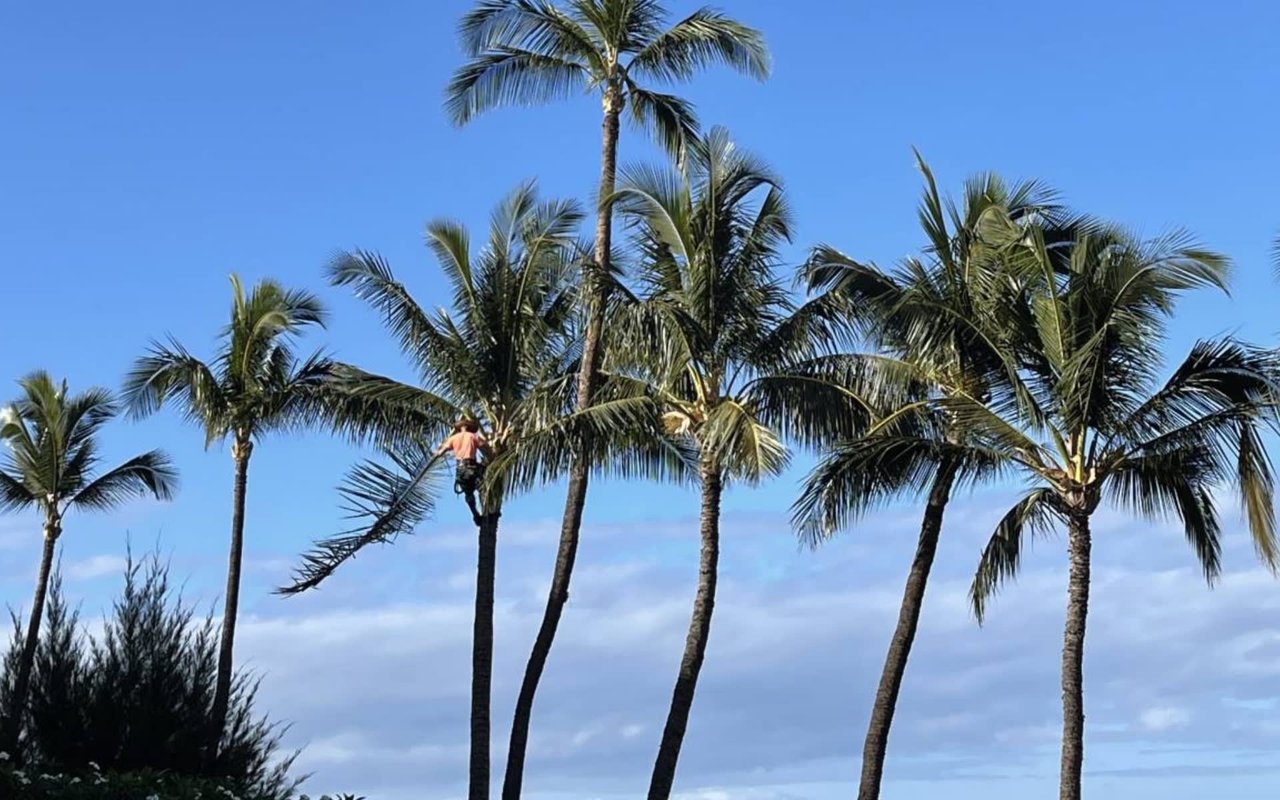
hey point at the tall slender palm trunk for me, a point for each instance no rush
(1079, 545)
(576, 495)
(482, 655)
(695, 647)
(21, 687)
(241, 450)
(904, 635)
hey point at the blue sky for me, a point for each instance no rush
(149, 149)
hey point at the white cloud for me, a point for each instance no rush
(1164, 718)
(95, 567)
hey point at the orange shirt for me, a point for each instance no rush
(464, 445)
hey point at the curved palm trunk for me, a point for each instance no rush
(241, 450)
(895, 662)
(1079, 545)
(576, 496)
(18, 704)
(695, 648)
(482, 655)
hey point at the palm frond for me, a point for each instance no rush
(370, 277)
(1176, 483)
(535, 24)
(1033, 514)
(150, 474)
(14, 494)
(169, 371)
(508, 75)
(1256, 480)
(372, 408)
(745, 448)
(671, 119)
(385, 501)
(619, 435)
(705, 37)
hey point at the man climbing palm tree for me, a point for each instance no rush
(465, 444)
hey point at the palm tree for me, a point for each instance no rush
(1078, 324)
(526, 52)
(917, 319)
(52, 456)
(505, 357)
(711, 335)
(254, 386)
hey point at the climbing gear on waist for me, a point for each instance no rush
(468, 476)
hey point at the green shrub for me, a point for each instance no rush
(136, 702)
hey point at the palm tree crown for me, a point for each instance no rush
(918, 319)
(534, 51)
(1089, 421)
(711, 328)
(255, 384)
(53, 454)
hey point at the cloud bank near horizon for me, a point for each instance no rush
(372, 670)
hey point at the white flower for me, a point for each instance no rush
(4, 756)
(23, 779)
(94, 766)
(153, 797)
(74, 781)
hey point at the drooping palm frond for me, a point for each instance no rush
(14, 494)
(620, 435)
(1176, 483)
(1201, 430)
(670, 118)
(904, 458)
(511, 76)
(384, 501)
(746, 448)
(1034, 514)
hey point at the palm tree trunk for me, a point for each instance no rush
(1079, 545)
(22, 684)
(695, 647)
(576, 495)
(558, 596)
(241, 450)
(482, 656)
(895, 663)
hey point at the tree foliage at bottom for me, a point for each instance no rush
(135, 700)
